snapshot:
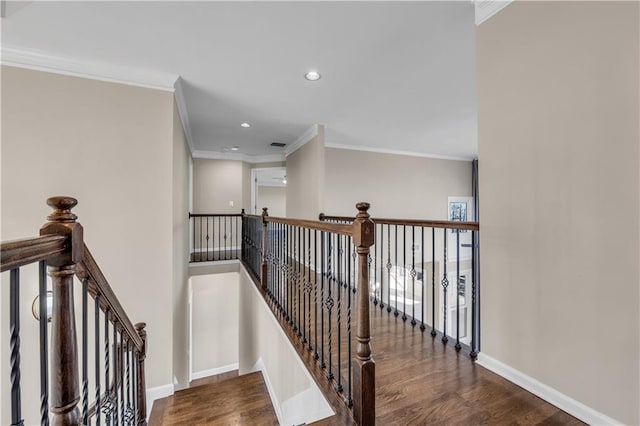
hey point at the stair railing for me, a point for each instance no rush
(116, 372)
(435, 286)
(315, 275)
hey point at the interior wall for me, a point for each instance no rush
(305, 179)
(181, 159)
(396, 186)
(217, 182)
(274, 198)
(559, 192)
(214, 319)
(263, 346)
(90, 139)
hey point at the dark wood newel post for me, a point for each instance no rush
(65, 390)
(364, 385)
(142, 387)
(263, 274)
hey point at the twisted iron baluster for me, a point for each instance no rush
(14, 345)
(44, 346)
(445, 286)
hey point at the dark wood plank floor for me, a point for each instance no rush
(419, 381)
(227, 400)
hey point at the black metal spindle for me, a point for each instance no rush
(122, 379)
(224, 219)
(116, 366)
(322, 300)
(193, 226)
(381, 266)
(14, 344)
(474, 313)
(388, 268)
(129, 411)
(85, 354)
(375, 273)
(433, 282)
(96, 321)
(44, 344)
(339, 311)
(297, 257)
(413, 276)
(200, 239)
(445, 288)
(404, 272)
(329, 304)
(309, 289)
(396, 312)
(458, 346)
(108, 404)
(349, 295)
(315, 292)
(424, 283)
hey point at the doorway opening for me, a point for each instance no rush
(268, 189)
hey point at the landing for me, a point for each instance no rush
(224, 400)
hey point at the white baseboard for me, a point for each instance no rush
(158, 392)
(259, 366)
(213, 371)
(560, 400)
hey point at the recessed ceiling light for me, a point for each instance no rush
(312, 76)
(235, 148)
(245, 125)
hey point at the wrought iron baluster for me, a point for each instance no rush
(322, 300)
(14, 344)
(315, 292)
(474, 313)
(375, 273)
(116, 367)
(433, 282)
(329, 304)
(381, 266)
(85, 359)
(404, 273)
(349, 296)
(339, 319)
(424, 283)
(309, 288)
(44, 344)
(457, 346)
(96, 332)
(388, 268)
(107, 408)
(413, 276)
(396, 312)
(445, 287)
(122, 380)
(296, 295)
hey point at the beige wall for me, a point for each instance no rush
(110, 146)
(396, 186)
(214, 321)
(274, 198)
(216, 182)
(559, 160)
(263, 346)
(181, 157)
(305, 179)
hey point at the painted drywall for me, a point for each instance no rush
(274, 198)
(305, 179)
(180, 190)
(110, 146)
(214, 321)
(396, 186)
(216, 183)
(264, 346)
(559, 161)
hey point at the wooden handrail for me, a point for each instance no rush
(445, 224)
(99, 286)
(336, 228)
(215, 214)
(17, 253)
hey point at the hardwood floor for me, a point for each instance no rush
(419, 381)
(239, 400)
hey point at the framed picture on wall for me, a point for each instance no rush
(458, 212)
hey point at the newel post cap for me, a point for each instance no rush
(62, 209)
(363, 227)
(63, 222)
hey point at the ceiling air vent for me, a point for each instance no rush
(278, 144)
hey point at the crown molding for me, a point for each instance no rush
(309, 134)
(395, 152)
(39, 61)
(254, 159)
(485, 9)
(182, 112)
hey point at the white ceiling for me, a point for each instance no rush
(395, 75)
